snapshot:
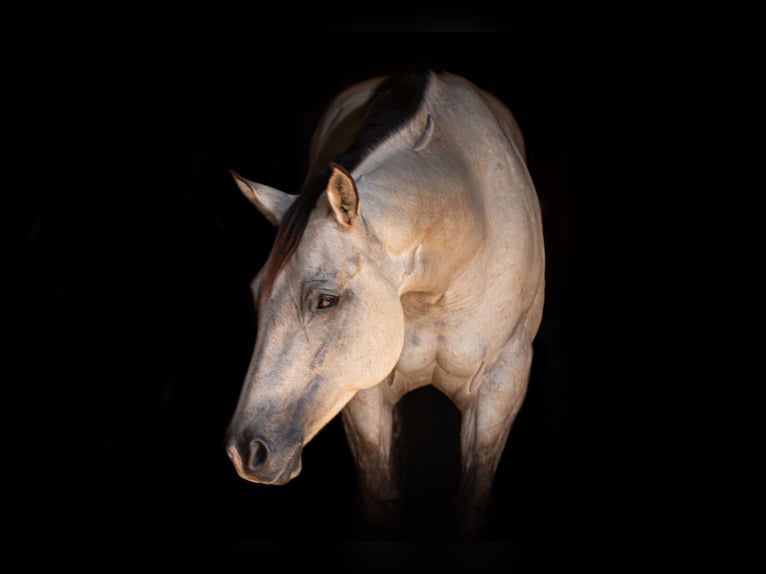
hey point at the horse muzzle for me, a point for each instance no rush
(256, 460)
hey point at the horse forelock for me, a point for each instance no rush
(393, 104)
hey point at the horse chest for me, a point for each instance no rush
(447, 360)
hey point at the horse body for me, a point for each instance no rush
(420, 263)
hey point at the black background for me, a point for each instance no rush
(138, 325)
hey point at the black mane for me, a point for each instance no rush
(394, 102)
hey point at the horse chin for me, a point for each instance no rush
(292, 471)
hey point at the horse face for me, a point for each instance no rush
(330, 325)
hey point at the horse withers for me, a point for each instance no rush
(412, 255)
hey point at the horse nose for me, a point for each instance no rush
(248, 457)
(257, 454)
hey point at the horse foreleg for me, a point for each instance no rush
(486, 421)
(370, 423)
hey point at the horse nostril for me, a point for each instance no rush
(258, 453)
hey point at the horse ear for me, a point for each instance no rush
(343, 197)
(271, 202)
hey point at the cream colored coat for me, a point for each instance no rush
(425, 266)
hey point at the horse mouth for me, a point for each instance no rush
(273, 475)
(289, 473)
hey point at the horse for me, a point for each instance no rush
(411, 255)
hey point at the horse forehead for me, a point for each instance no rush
(325, 245)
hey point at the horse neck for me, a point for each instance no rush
(429, 231)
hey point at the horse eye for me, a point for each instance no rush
(325, 301)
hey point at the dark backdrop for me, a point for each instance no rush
(138, 249)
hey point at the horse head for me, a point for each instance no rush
(330, 323)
